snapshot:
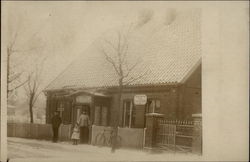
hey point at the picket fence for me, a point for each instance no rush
(174, 135)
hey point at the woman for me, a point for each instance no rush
(84, 123)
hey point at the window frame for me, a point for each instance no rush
(155, 107)
(100, 121)
(131, 109)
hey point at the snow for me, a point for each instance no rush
(29, 150)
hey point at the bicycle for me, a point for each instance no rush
(106, 138)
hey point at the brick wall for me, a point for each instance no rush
(190, 96)
(167, 95)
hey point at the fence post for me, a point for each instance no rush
(151, 126)
(197, 134)
(14, 130)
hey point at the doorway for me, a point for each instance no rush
(78, 109)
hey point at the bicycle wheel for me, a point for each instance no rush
(118, 141)
(100, 139)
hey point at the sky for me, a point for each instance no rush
(67, 29)
(64, 30)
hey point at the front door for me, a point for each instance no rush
(79, 108)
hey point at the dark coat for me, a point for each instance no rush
(56, 121)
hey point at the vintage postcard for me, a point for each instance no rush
(124, 81)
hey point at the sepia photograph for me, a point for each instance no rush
(102, 81)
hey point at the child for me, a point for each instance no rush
(76, 134)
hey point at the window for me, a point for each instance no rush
(128, 114)
(153, 106)
(64, 111)
(60, 108)
(97, 115)
(78, 113)
(101, 114)
(104, 120)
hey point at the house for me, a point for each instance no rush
(171, 56)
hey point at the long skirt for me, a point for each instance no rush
(75, 135)
(84, 134)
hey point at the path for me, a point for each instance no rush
(27, 150)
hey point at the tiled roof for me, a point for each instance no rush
(167, 53)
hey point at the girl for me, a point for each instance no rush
(76, 134)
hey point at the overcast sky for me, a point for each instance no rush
(68, 28)
(65, 30)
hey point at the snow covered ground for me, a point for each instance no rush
(28, 150)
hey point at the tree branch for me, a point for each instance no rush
(36, 97)
(120, 64)
(119, 46)
(21, 51)
(14, 77)
(131, 68)
(111, 45)
(29, 83)
(12, 44)
(26, 91)
(132, 79)
(110, 60)
(10, 90)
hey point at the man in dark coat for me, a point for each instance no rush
(56, 122)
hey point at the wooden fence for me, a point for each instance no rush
(174, 135)
(130, 137)
(37, 131)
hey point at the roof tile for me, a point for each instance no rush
(167, 54)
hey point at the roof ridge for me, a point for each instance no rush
(190, 71)
(67, 67)
(59, 74)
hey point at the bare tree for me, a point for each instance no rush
(23, 41)
(32, 88)
(19, 51)
(12, 76)
(21, 57)
(15, 77)
(116, 54)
